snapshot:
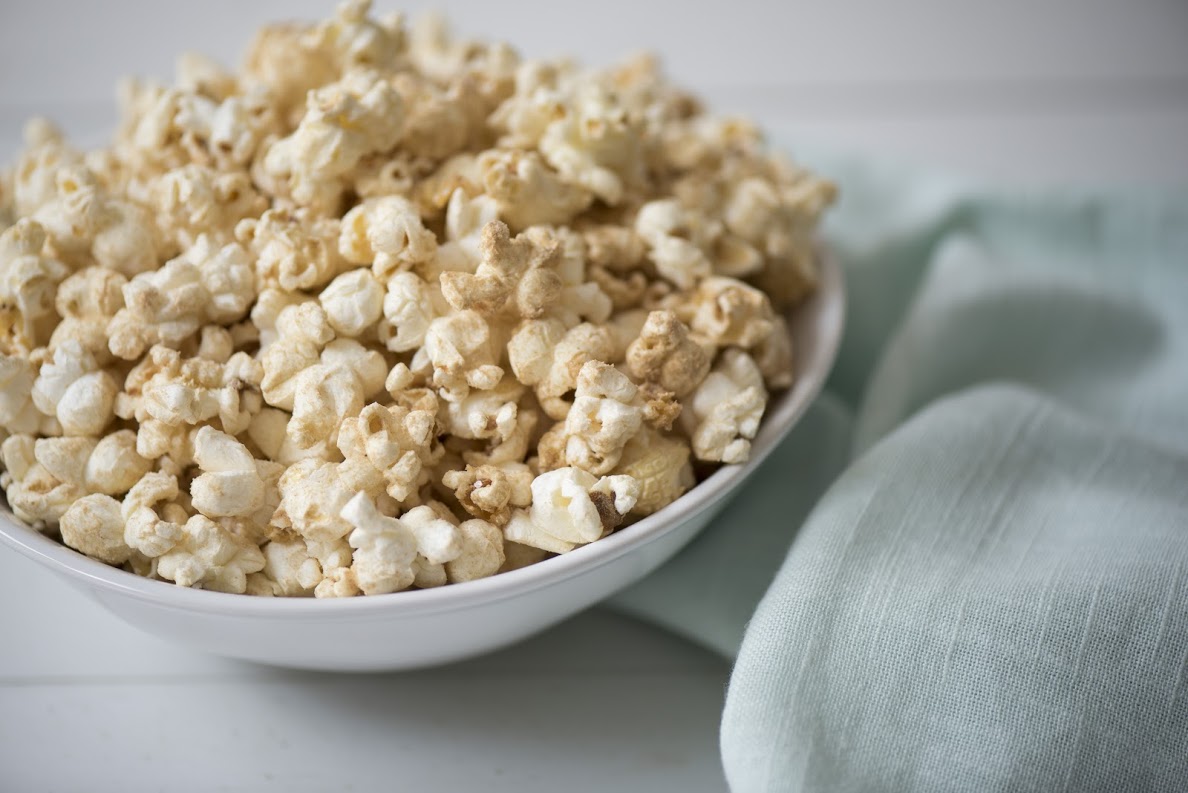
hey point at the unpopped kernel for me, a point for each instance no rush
(387, 309)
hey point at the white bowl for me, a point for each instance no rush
(419, 628)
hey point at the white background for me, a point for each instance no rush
(1038, 92)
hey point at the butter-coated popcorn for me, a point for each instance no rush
(387, 308)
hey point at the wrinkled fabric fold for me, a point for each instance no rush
(967, 567)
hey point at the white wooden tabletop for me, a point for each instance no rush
(1063, 91)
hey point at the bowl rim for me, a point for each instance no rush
(781, 417)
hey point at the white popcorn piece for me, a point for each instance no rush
(409, 306)
(114, 466)
(206, 284)
(196, 200)
(728, 312)
(179, 393)
(483, 415)
(46, 152)
(43, 477)
(466, 217)
(606, 413)
(312, 497)
(395, 445)
(387, 234)
(18, 413)
(571, 507)
(725, 410)
(72, 388)
(459, 351)
(94, 525)
(336, 388)
(28, 281)
(294, 249)
(87, 301)
(344, 121)
(482, 552)
(147, 528)
(290, 568)
(353, 302)
(87, 225)
(669, 231)
(581, 344)
(385, 548)
(595, 144)
(229, 484)
(209, 557)
(528, 192)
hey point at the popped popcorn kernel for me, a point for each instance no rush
(386, 308)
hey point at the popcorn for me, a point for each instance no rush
(664, 354)
(87, 301)
(72, 388)
(670, 232)
(728, 312)
(725, 410)
(387, 308)
(44, 477)
(344, 121)
(660, 463)
(114, 466)
(196, 200)
(409, 307)
(149, 529)
(604, 416)
(385, 548)
(28, 281)
(94, 525)
(229, 485)
(85, 224)
(387, 234)
(206, 284)
(459, 352)
(210, 557)
(491, 491)
(528, 192)
(294, 249)
(398, 445)
(570, 507)
(482, 552)
(18, 413)
(514, 273)
(353, 302)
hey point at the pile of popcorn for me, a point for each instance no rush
(387, 309)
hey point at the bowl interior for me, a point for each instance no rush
(816, 327)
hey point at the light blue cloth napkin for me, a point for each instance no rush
(967, 568)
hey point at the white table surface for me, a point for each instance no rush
(1081, 91)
